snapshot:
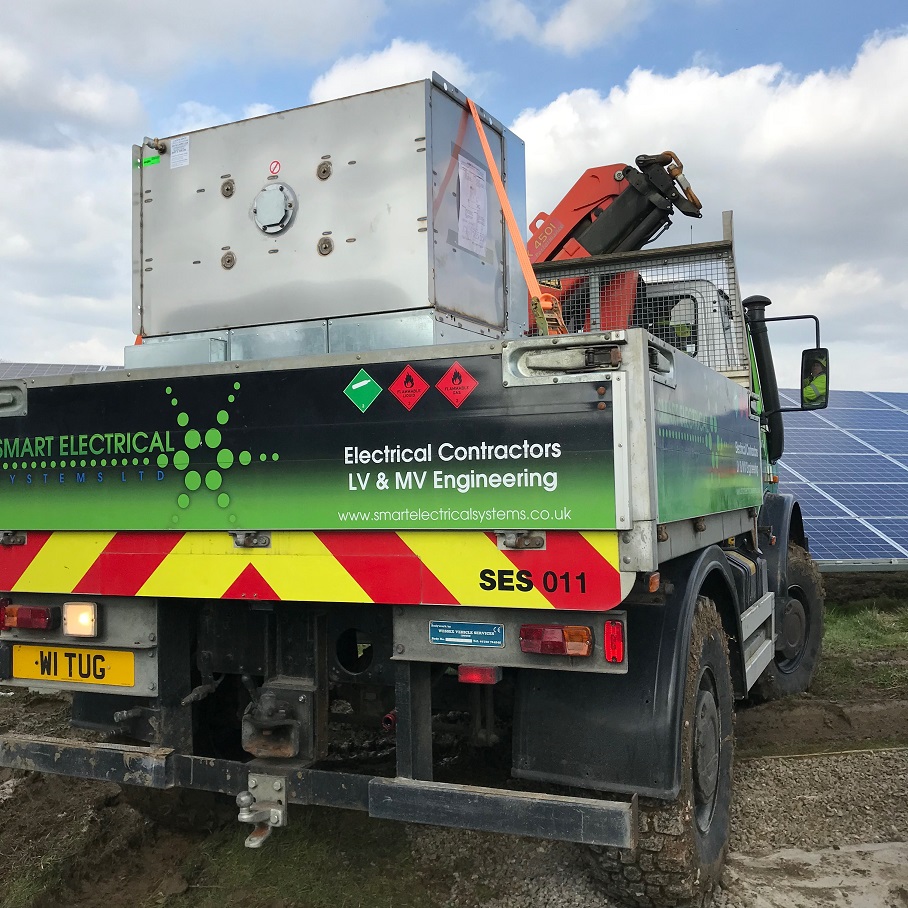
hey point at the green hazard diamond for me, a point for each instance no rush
(363, 390)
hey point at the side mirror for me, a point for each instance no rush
(815, 378)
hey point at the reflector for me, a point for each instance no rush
(614, 641)
(479, 674)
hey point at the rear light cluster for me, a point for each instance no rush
(554, 640)
(80, 619)
(570, 640)
(29, 617)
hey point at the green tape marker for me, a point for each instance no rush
(147, 162)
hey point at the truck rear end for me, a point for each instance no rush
(327, 532)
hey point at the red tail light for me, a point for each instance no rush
(556, 640)
(614, 641)
(36, 618)
(479, 674)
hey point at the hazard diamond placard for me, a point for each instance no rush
(456, 384)
(409, 387)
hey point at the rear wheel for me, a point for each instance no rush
(682, 845)
(799, 632)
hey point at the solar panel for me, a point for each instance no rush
(895, 528)
(820, 440)
(852, 468)
(895, 398)
(867, 419)
(41, 370)
(892, 442)
(814, 503)
(849, 539)
(848, 467)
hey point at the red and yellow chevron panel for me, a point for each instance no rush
(576, 570)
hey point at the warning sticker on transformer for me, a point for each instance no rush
(472, 220)
(466, 633)
(179, 152)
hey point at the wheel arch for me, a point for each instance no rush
(780, 523)
(719, 586)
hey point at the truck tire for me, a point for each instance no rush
(682, 845)
(800, 633)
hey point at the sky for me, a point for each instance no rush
(794, 115)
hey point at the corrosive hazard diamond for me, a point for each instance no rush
(456, 384)
(409, 387)
(363, 390)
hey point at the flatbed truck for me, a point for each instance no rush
(345, 482)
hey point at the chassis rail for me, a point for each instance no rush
(573, 819)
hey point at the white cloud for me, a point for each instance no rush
(402, 61)
(42, 104)
(105, 34)
(68, 70)
(809, 166)
(575, 26)
(257, 110)
(191, 115)
(66, 251)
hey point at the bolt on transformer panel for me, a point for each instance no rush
(376, 203)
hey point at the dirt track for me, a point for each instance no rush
(109, 847)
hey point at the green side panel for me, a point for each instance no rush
(707, 444)
(430, 444)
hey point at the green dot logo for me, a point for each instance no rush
(193, 459)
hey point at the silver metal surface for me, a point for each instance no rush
(622, 452)
(381, 332)
(13, 398)
(757, 614)
(758, 626)
(276, 341)
(179, 351)
(376, 176)
(539, 360)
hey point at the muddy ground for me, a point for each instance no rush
(94, 845)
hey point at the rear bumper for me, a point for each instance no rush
(588, 820)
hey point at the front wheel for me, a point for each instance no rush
(799, 632)
(682, 845)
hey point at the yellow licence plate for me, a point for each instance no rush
(82, 666)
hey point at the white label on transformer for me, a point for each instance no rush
(179, 152)
(472, 223)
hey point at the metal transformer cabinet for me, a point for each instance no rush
(370, 222)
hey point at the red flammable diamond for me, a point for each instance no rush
(457, 384)
(408, 387)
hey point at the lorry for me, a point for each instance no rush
(353, 510)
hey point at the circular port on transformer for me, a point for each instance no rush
(274, 208)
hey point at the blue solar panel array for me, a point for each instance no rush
(42, 370)
(848, 466)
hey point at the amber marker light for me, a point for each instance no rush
(80, 619)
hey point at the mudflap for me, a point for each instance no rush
(620, 733)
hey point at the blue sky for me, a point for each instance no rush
(792, 114)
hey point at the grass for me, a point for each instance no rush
(865, 651)
(323, 859)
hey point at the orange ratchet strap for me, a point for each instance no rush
(546, 309)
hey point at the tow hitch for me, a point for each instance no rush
(263, 804)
